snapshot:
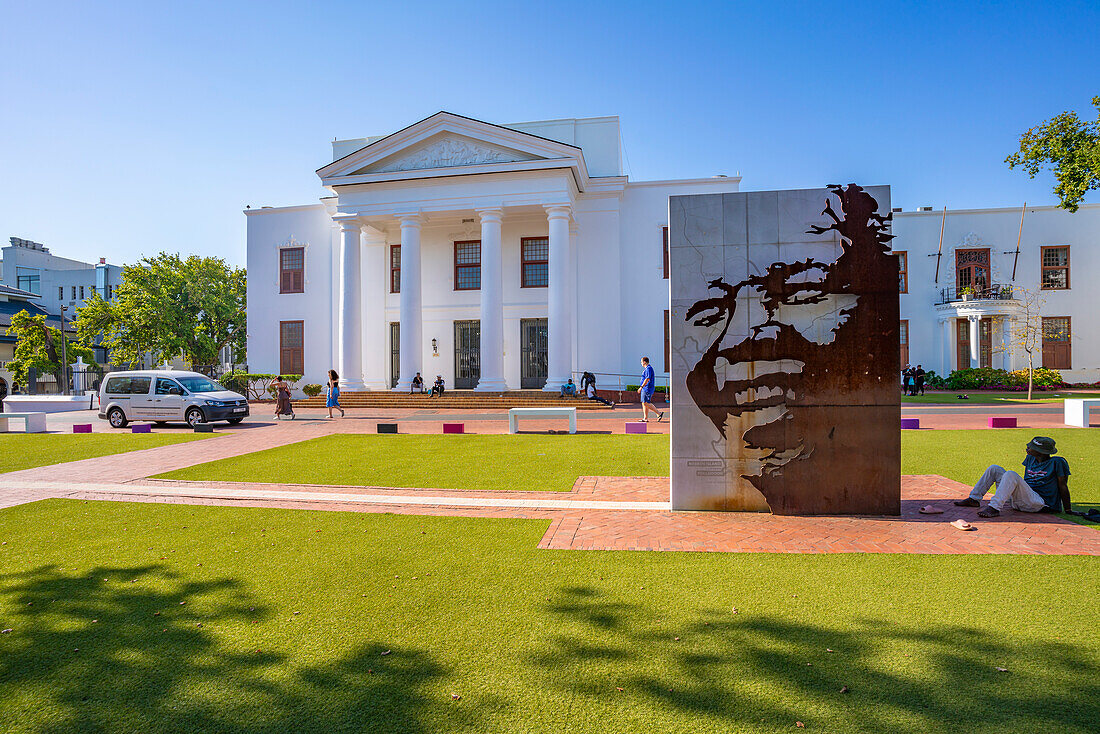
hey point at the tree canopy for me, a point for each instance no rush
(169, 306)
(1070, 148)
(38, 347)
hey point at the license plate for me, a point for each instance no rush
(239, 410)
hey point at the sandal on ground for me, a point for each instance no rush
(930, 510)
(989, 512)
(968, 502)
(660, 417)
(963, 524)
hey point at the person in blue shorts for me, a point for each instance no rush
(645, 392)
(1044, 486)
(333, 399)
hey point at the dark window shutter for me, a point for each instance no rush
(297, 281)
(284, 282)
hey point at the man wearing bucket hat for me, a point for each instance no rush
(1044, 486)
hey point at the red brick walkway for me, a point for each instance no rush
(579, 519)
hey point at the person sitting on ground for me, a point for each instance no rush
(569, 389)
(591, 394)
(417, 384)
(438, 387)
(1044, 487)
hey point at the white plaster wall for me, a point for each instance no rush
(918, 234)
(267, 230)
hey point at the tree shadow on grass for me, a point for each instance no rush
(145, 649)
(858, 675)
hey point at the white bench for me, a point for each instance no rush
(32, 422)
(515, 413)
(1077, 411)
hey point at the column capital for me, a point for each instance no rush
(557, 211)
(409, 218)
(348, 222)
(490, 213)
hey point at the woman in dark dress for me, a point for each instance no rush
(282, 398)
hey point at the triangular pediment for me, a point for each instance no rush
(443, 142)
(446, 150)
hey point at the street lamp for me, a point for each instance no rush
(64, 353)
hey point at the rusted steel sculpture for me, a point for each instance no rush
(808, 407)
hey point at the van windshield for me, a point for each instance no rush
(199, 384)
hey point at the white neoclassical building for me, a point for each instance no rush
(498, 256)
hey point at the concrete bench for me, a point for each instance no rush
(1077, 411)
(141, 428)
(454, 428)
(1003, 421)
(82, 428)
(514, 414)
(636, 427)
(910, 423)
(32, 422)
(387, 428)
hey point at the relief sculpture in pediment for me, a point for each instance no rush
(449, 153)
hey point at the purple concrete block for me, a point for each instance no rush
(635, 427)
(454, 427)
(82, 428)
(141, 428)
(1002, 422)
(910, 423)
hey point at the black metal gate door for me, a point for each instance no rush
(467, 354)
(533, 337)
(395, 352)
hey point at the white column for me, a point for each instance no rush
(948, 347)
(351, 305)
(1010, 348)
(412, 349)
(975, 347)
(492, 304)
(374, 286)
(560, 339)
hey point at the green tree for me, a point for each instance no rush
(169, 306)
(1070, 148)
(38, 347)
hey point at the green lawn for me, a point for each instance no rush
(521, 462)
(167, 618)
(993, 398)
(24, 451)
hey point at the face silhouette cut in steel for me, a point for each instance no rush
(798, 374)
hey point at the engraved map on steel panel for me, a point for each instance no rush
(801, 384)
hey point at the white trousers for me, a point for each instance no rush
(1011, 488)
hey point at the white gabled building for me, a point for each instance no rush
(500, 257)
(512, 256)
(1058, 258)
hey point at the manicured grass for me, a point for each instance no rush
(964, 455)
(168, 618)
(993, 398)
(520, 462)
(24, 451)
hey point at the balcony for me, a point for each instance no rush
(995, 292)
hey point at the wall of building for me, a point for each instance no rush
(918, 234)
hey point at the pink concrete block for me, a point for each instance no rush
(1002, 422)
(141, 428)
(82, 428)
(454, 427)
(635, 427)
(910, 423)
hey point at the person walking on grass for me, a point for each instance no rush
(646, 390)
(333, 399)
(282, 398)
(1044, 487)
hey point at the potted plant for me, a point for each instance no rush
(966, 293)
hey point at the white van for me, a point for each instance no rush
(161, 396)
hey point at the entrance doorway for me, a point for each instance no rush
(467, 354)
(395, 352)
(985, 343)
(533, 338)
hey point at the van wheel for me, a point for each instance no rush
(116, 418)
(194, 416)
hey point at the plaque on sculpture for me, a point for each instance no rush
(784, 352)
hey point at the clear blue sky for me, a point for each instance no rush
(128, 128)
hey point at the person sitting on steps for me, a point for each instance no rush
(568, 389)
(438, 388)
(417, 385)
(1044, 487)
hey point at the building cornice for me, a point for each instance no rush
(991, 210)
(712, 180)
(273, 209)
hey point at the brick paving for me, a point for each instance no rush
(599, 513)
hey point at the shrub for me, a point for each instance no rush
(254, 386)
(934, 381)
(976, 378)
(311, 390)
(658, 388)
